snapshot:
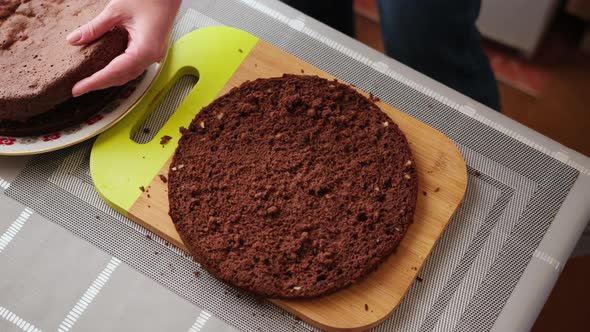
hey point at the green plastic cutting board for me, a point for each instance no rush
(119, 165)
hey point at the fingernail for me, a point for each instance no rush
(74, 37)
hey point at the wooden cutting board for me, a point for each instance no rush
(223, 58)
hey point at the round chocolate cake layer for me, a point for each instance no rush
(38, 66)
(62, 116)
(292, 187)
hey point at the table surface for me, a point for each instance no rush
(69, 262)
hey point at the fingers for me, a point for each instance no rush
(141, 53)
(121, 70)
(94, 29)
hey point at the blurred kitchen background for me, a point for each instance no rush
(540, 54)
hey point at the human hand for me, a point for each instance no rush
(148, 23)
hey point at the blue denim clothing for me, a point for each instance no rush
(439, 39)
(435, 37)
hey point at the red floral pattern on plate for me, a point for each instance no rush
(51, 137)
(7, 141)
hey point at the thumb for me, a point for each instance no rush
(94, 29)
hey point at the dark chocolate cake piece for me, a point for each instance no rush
(38, 66)
(292, 187)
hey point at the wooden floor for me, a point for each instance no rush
(561, 112)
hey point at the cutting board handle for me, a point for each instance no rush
(119, 166)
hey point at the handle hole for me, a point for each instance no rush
(156, 120)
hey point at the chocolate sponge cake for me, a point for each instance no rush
(38, 66)
(292, 187)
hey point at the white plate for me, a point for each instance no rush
(103, 120)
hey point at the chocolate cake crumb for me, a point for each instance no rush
(437, 189)
(164, 140)
(477, 173)
(163, 178)
(366, 307)
(147, 236)
(302, 71)
(197, 274)
(424, 193)
(374, 98)
(146, 130)
(284, 202)
(142, 188)
(419, 279)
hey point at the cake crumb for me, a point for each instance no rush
(437, 189)
(97, 217)
(302, 71)
(477, 173)
(366, 307)
(240, 50)
(424, 193)
(197, 274)
(373, 98)
(419, 279)
(142, 188)
(165, 140)
(273, 210)
(147, 236)
(385, 124)
(146, 130)
(163, 178)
